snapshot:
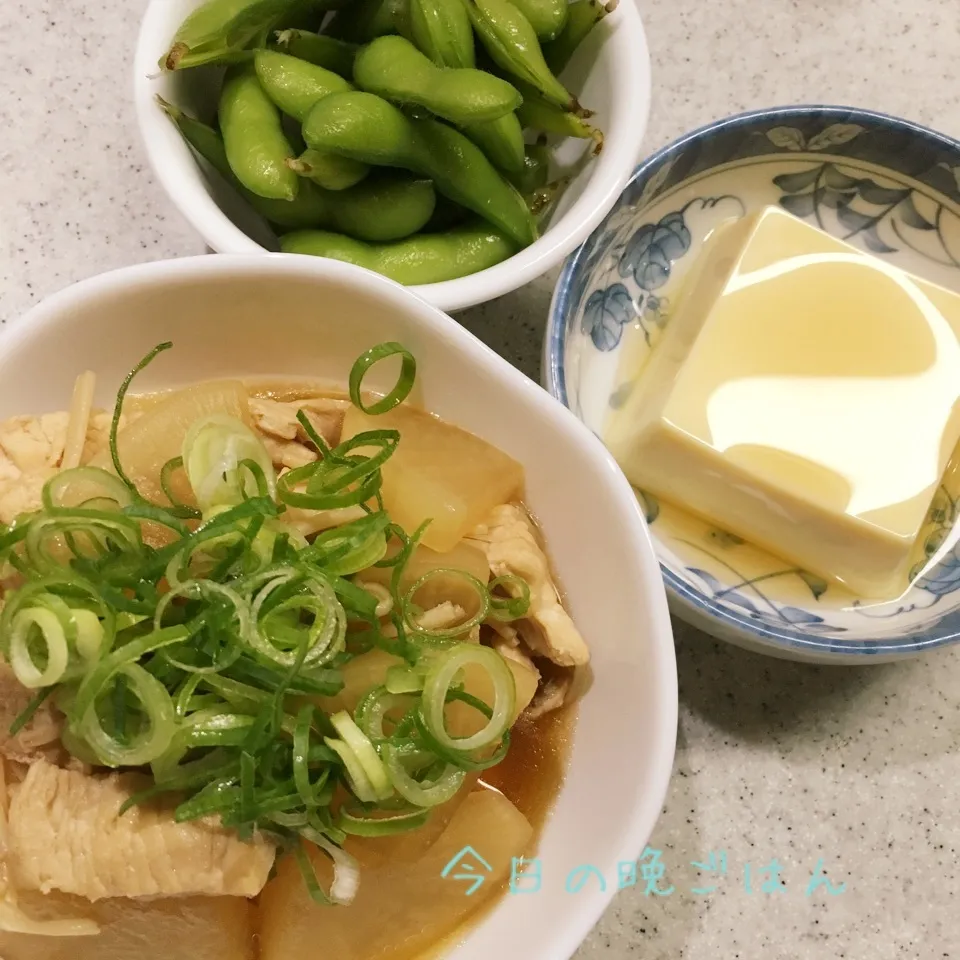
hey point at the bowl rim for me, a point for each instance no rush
(58, 311)
(554, 380)
(630, 111)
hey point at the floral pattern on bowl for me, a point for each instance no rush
(883, 184)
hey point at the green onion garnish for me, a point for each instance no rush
(202, 660)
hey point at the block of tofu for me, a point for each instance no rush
(804, 396)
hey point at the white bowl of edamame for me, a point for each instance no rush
(377, 133)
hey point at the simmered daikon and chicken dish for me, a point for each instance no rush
(272, 658)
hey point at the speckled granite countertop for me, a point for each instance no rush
(776, 762)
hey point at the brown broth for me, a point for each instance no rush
(532, 773)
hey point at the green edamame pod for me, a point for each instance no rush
(461, 172)
(220, 31)
(442, 30)
(501, 140)
(446, 214)
(367, 128)
(547, 17)
(536, 168)
(393, 68)
(326, 52)
(329, 170)
(391, 208)
(583, 16)
(293, 84)
(427, 258)
(257, 148)
(387, 206)
(512, 43)
(537, 113)
(365, 20)
(307, 210)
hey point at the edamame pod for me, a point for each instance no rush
(256, 146)
(220, 31)
(307, 210)
(367, 128)
(365, 20)
(501, 140)
(388, 206)
(441, 29)
(583, 16)
(547, 17)
(512, 43)
(396, 70)
(536, 168)
(446, 214)
(327, 52)
(293, 84)
(427, 258)
(329, 170)
(537, 113)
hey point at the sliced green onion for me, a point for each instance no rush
(78, 486)
(437, 686)
(276, 635)
(301, 757)
(156, 707)
(100, 675)
(118, 410)
(346, 873)
(408, 374)
(426, 793)
(355, 546)
(411, 610)
(364, 751)
(309, 875)
(360, 826)
(213, 450)
(516, 605)
(29, 712)
(402, 679)
(237, 629)
(108, 532)
(29, 625)
(380, 593)
(373, 709)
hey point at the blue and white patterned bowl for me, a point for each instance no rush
(884, 184)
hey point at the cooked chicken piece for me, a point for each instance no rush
(31, 449)
(284, 435)
(34, 443)
(511, 546)
(20, 492)
(40, 736)
(506, 635)
(510, 651)
(65, 835)
(288, 453)
(442, 616)
(279, 419)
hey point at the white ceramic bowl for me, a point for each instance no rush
(611, 74)
(259, 315)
